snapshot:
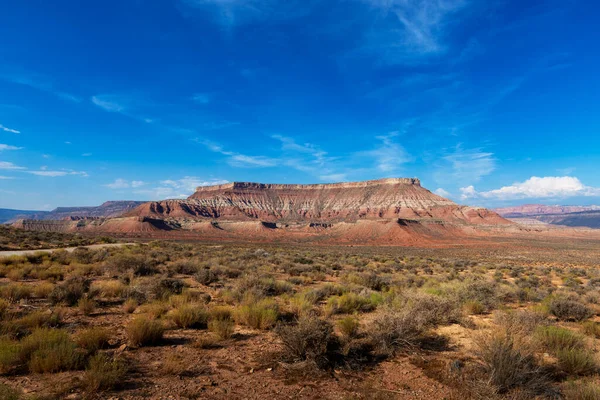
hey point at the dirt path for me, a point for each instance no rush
(9, 253)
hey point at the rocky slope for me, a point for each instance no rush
(386, 211)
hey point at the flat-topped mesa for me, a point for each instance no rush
(285, 186)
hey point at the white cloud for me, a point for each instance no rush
(389, 156)
(535, 187)
(465, 165)
(86, 155)
(178, 188)
(123, 184)
(236, 159)
(2, 177)
(40, 83)
(8, 147)
(201, 98)
(333, 177)
(45, 172)
(411, 28)
(9, 165)
(442, 192)
(137, 184)
(6, 129)
(109, 103)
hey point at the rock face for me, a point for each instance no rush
(387, 211)
(402, 198)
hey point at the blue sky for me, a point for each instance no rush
(488, 102)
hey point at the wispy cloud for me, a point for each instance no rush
(177, 188)
(390, 155)
(40, 83)
(2, 177)
(125, 184)
(442, 192)
(465, 165)
(535, 188)
(202, 98)
(409, 30)
(123, 104)
(6, 129)
(10, 166)
(54, 174)
(8, 147)
(230, 13)
(237, 159)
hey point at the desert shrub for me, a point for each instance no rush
(592, 328)
(521, 322)
(431, 309)
(70, 291)
(139, 264)
(576, 361)
(587, 390)
(26, 324)
(258, 287)
(143, 331)
(348, 326)
(43, 290)
(4, 304)
(109, 289)
(349, 303)
(258, 315)
(93, 339)
(206, 276)
(86, 305)
(510, 366)
(474, 307)
(104, 373)
(184, 267)
(301, 303)
(189, 316)
(155, 309)
(8, 393)
(10, 354)
(310, 339)
(221, 322)
(130, 306)
(15, 291)
(555, 338)
(167, 287)
(569, 310)
(484, 293)
(50, 350)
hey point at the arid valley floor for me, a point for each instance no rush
(504, 319)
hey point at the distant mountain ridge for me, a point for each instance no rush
(572, 216)
(106, 209)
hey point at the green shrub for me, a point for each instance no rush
(93, 339)
(143, 331)
(103, 373)
(555, 338)
(349, 303)
(14, 292)
(86, 305)
(260, 315)
(348, 326)
(50, 350)
(221, 322)
(189, 316)
(10, 354)
(8, 393)
(582, 391)
(576, 361)
(592, 329)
